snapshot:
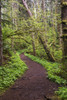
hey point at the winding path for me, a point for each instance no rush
(33, 85)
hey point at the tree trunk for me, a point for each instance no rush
(1, 46)
(12, 43)
(64, 32)
(26, 6)
(43, 5)
(30, 14)
(33, 43)
(50, 57)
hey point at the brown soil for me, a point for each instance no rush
(33, 85)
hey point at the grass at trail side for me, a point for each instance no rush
(52, 69)
(11, 71)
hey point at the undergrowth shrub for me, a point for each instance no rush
(11, 71)
(62, 92)
(26, 50)
(40, 52)
(20, 44)
(52, 69)
(22, 51)
(58, 55)
(7, 31)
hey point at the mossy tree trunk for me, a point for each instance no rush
(64, 32)
(49, 55)
(30, 14)
(1, 47)
(33, 44)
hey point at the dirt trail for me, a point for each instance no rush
(33, 85)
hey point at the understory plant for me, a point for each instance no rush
(52, 70)
(62, 92)
(11, 71)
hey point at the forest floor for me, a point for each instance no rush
(33, 85)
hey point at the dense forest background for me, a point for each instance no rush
(45, 24)
(36, 27)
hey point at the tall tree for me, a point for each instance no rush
(30, 14)
(26, 6)
(64, 32)
(1, 47)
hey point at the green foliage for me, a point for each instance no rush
(40, 52)
(62, 92)
(7, 32)
(27, 50)
(22, 51)
(11, 71)
(20, 44)
(58, 55)
(52, 69)
(39, 27)
(64, 3)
